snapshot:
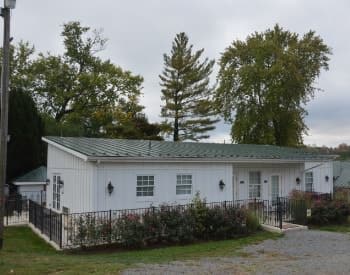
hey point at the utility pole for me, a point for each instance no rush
(5, 75)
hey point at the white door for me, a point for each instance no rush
(275, 187)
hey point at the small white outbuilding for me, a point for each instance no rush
(32, 185)
(95, 174)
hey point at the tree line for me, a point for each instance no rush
(262, 87)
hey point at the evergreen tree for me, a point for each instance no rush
(25, 149)
(186, 92)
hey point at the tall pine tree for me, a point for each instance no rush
(186, 92)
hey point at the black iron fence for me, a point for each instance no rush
(17, 206)
(16, 211)
(102, 227)
(97, 228)
(47, 221)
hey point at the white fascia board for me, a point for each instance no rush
(19, 183)
(63, 148)
(195, 160)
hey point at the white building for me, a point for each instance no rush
(32, 185)
(90, 174)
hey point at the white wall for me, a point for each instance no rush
(32, 192)
(205, 177)
(78, 176)
(320, 171)
(287, 173)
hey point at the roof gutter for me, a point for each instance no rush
(196, 160)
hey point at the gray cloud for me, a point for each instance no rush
(140, 32)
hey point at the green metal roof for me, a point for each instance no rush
(95, 148)
(341, 173)
(36, 175)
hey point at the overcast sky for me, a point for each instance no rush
(140, 31)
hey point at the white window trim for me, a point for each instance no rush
(184, 196)
(146, 198)
(312, 183)
(260, 184)
(54, 205)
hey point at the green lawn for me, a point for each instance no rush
(345, 228)
(26, 253)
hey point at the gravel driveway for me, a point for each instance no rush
(298, 252)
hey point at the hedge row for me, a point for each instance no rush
(167, 225)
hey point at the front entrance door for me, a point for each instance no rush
(234, 193)
(275, 187)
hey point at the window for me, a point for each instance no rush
(254, 185)
(145, 186)
(183, 184)
(56, 192)
(309, 181)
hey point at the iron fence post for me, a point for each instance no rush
(60, 228)
(50, 229)
(110, 226)
(35, 215)
(7, 212)
(42, 218)
(279, 211)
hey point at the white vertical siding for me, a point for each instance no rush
(287, 173)
(78, 176)
(320, 170)
(205, 178)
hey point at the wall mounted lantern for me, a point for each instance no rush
(221, 184)
(326, 178)
(265, 181)
(47, 181)
(61, 184)
(297, 180)
(110, 188)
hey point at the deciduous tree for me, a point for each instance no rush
(265, 82)
(79, 82)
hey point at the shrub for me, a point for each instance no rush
(152, 226)
(301, 195)
(216, 224)
(129, 230)
(342, 194)
(91, 230)
(199, 211)
(79, 238)
(329, 212)
(252, 222)
(177, 224)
